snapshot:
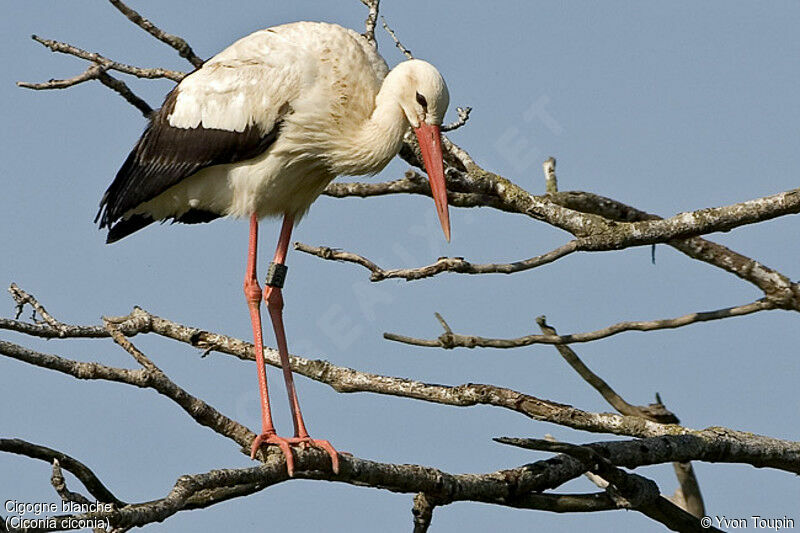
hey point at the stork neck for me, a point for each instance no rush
(378, 139)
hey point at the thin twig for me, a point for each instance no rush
(463, 117)
(451, 340)
(128, 346)
(60, 485)
(147, 73)
(91, 73)
(443, 323)
(21, 298)
(656, 412)
(174, 41)
(443, 264)
(121, 88)
(551, 182)
(397, 43)
(75, 467)
(423, 512)
(591, 476)
(371, 21)
(94, 72)
(688, 492)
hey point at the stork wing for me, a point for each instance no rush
(229, 110)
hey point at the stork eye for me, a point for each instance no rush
(422, 101)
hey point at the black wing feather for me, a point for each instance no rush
(166, 155)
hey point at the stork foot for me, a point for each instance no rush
(285, 445)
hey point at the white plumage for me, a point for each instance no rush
(324, 88)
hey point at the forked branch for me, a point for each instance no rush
(449, 340)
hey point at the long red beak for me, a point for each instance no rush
(430, 142)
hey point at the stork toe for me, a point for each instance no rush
(285, 445)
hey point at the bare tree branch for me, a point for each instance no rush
(443, 264)
(518, 487)
(499, 488)
(200, 411)
(21, 298)
(775, 285)
(119, 87)
(108, 64)
(91, 73)
(551, 182)
(688, 495)
(594, 220)
(656, 412)
(94, 72)
(689, 491)
(745, 447)
(453, 340)
(340, 379)
(423, 512)
(638, 492)
(597, 234)
(77, 468)
(372, 20)
(183, 48)
(128, 346)
(60, 486)
(463, 117)
(406, 52)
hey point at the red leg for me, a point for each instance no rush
(252, 293)
(274, 298)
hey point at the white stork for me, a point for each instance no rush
(259, 130)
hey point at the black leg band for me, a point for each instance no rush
(276, 275)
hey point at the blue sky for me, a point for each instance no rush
(668, 107)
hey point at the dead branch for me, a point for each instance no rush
(449, 340)
(183, 48)
(60, 486)
(151, 378)
(423, 512)
(121, 88)
(372, 20)
(689, 491)
(341, 379)
(656, 412)
(202, 490)
(519, 487)
(108, 64)
(594, 220)
(551, 181)
(463, 117)
(91, 73)
(745, 447)
(443, 264)
(775, 285)
(75, 467)
(633, 490)
(406, 52)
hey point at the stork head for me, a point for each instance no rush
(423, 96)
